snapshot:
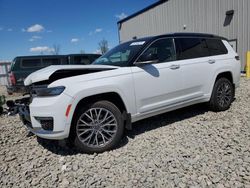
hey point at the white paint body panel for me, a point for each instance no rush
(45, 73)
(146, 91)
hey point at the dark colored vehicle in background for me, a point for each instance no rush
(82, 59)
(22, 66)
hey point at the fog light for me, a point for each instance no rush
(47, 123)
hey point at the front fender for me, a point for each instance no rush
(124, 88)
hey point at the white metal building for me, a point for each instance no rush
(227, 18)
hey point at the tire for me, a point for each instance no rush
(222, 95)
(97, 127)
(1, 110)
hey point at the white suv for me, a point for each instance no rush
(92, 105)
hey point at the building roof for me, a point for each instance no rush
(141, 11)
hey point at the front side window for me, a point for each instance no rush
(162, 50)
(189, 48)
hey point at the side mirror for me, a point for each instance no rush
(147, 59)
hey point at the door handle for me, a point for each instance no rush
(211, 61)
(174, 67)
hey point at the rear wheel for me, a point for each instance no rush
(222, 95)
(98, 127)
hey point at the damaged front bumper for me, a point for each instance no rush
(21, 107)
(43, 116)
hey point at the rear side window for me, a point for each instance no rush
(31, 63)
(64, 60)
(189, 48)
(216, 47)
(93, 58)
(51, 61)
(81, 60)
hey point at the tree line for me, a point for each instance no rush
(102, 47)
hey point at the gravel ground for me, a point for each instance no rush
(192, 147)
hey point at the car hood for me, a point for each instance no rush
(56, 72)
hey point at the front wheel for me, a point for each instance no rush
(222, 95)
(98, 127)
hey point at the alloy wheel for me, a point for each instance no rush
(96, 127)
(224, 94)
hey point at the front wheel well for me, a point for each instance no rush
(111, 97)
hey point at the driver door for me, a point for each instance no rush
(157, 77)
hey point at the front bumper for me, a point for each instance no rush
(44, 107)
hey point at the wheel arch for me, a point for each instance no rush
(226, 74)
(229, 76)
(222, 74)
(112, 97)
(213, 101)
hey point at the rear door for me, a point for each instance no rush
(196, 66)
(222, 58)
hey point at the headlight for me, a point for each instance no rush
(53, 91)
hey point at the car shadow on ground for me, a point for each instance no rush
(166, 119)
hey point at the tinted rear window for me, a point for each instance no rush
(94, 57)
(189, 48)
(31, 63)
(216, 47)
(82, 60)
(51, 61)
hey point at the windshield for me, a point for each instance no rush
(120, 55)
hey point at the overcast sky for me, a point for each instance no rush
(29, 27)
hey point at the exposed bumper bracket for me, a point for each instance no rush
(20, 106)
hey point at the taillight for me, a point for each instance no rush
(12, 79)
